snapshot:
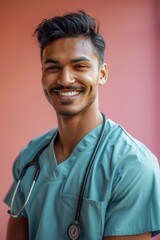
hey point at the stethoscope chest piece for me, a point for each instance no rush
(73, 231)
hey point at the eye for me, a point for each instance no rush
(80, 66)
(52, 68)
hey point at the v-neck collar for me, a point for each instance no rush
(86, 143)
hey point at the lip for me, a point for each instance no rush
(66, 89)
(70, 91)
(66, 94)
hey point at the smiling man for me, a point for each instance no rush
(71, 75)
(95, 181)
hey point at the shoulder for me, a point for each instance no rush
(124, 149)
(130, 165)
(39, 141)
(31, 149)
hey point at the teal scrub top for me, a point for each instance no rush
(122, 194)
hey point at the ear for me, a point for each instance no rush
(103, 74)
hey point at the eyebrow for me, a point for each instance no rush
(50, 60)
(81, 59)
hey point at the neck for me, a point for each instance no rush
(72, 129)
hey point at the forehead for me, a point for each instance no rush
(69, 48)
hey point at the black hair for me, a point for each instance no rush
(71, 25)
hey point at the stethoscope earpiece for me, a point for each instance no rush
(73, 231)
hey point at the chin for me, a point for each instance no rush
(74, 110)
(67, 113)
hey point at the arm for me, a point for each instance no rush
(146, 236)
(17, 229)
(126, 215)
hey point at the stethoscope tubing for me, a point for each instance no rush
(16, 214)
(73, 228)
(35, 163)
(80, 199)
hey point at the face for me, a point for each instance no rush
(71, 75)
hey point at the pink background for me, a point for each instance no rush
(131, 96)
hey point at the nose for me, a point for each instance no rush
(66, 77)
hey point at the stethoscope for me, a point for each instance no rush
(73, 230)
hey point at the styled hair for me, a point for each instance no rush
(71, 25)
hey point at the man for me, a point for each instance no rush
(119, 195)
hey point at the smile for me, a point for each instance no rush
(68, 94)
(67, 91)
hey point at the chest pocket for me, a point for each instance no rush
(92, 216)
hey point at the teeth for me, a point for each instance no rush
(68, 94)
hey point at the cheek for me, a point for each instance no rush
(47, 80)
(93, 82)
(46, 95)
(90, 79)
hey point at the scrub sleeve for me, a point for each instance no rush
(134, 207)
(29, 152)
(122, 195)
